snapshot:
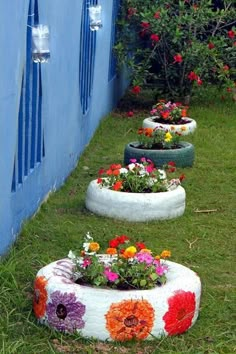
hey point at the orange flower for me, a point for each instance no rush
(130, 319)
(165, 254)
(117, 186)
(184, 112)
(111, 250)
(130, 252)
(116, 172)
(148, 131)
(40, 296)
(145, 250)
(94, 246)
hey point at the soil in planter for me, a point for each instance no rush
(166, 121)
(122, 286)
(156, 147)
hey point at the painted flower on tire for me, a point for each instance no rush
(180, 313)
(65, 312)
(40, 296)
(130, 319)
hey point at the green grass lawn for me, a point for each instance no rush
(203, 241)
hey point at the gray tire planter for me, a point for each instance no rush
(136, 207)
(183, 129)
(183, 157)
(110, 314)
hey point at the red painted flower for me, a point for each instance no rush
(180, 314)
(211, 45)
(136, 89)
(231, 34)
(178, 58)
(155, 37)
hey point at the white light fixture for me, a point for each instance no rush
(40, 44)
(95, 13)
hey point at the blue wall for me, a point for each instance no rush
(49, 112)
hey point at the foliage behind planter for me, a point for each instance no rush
(176, 45)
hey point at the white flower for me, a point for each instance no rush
(86, 246)
(173, 184)
(71, 255)
(123, 170)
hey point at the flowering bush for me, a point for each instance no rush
(178, 45)
(157, 138)
(137, 177)
(169, 112)
(124, 265)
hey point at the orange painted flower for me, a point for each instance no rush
(130, 319)
(165, 254)
(94, 246)
(183, 128)
(40, 296)
(111, 250)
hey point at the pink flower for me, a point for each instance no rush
(111, 276)
(161, 269)
(86, 262)
(144, 257)
(225, 67)
(199, 81)
(133, 160)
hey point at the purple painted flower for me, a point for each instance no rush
(65, 312)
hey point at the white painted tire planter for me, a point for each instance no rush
(136, 207)
(183, 129)
(108, 314)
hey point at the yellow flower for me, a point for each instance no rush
(165, 254)
(168, 137)
(94, 246)
(157, 258)
(130, 252)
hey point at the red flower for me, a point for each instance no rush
(178, 58)
(165, 115)
(157, 15)
(182, 177)
(117, 186)
(231, 34)
(131, 11)
(211, 45)
(101, 171)
(171, 163)
(225, 67)
(99, 180)
(122, 239)
(155, 37)
(145, 24)
(229, 89)
(192, 76)
(199, 81)
(114, 243)
(130, 114)
(180, 313)
(140, 245)
(136, 89)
